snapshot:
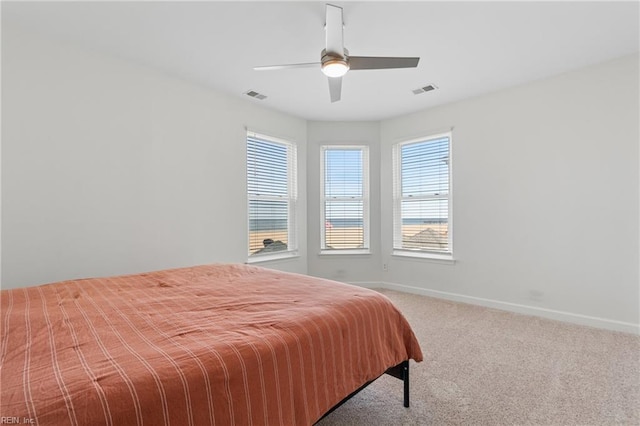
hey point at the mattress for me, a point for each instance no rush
(213, 344)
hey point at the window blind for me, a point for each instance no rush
(345, 198)
(271, 190)
(421, 195)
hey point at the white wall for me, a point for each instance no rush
(545, 181)
(111, 168)
(360, 268)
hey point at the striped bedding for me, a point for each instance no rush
(214, 344)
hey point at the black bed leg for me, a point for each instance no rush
(405, 379)
(401, 371)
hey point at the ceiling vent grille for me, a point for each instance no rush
(255, 94)
(427, 88)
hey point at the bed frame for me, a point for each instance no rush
(400, 371)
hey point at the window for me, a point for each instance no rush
(345, 199)
(272, 196)
(422, 197)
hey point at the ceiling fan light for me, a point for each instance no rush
(335, 68)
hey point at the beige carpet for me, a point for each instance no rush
(488, 367)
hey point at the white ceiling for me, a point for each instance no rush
(466, 48)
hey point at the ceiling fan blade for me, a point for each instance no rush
(333, 29)
(380, 62)
(287, 66)
(335, 88)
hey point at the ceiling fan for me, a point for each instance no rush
(335, 60)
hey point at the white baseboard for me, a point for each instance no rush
(590, 321)
(367, 284)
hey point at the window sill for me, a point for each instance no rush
(347, 252)
(442, 257)
(259, 258)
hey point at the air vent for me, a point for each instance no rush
(427, 88)
(255, 94)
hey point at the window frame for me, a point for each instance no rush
(397, 250)
(292, 199)
(366, 243)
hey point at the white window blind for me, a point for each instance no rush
(345, 198)
(272, 195)
(422, 215)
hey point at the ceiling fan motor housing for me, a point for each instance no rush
(334, 65)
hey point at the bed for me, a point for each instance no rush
(212, 344)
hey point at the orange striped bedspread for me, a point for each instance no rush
(214, 344)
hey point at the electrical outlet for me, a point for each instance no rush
(536, 295)
(385, 267)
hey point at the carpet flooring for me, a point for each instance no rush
(489, 367)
